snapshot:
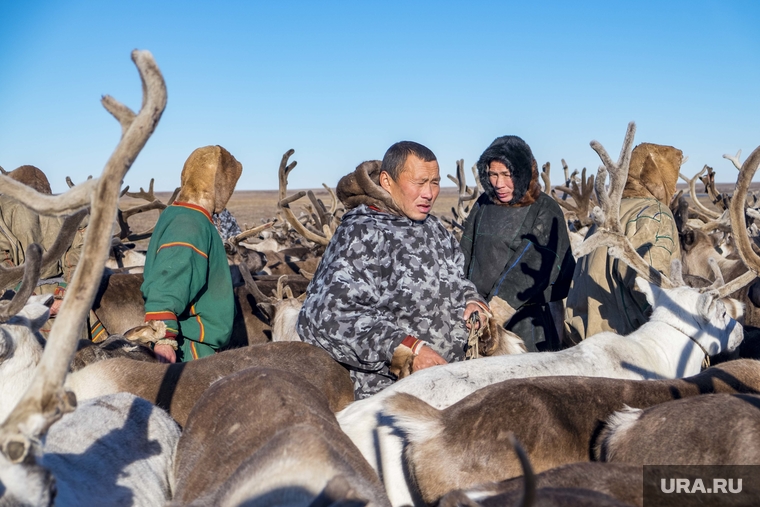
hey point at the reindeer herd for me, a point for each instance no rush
(273, 421)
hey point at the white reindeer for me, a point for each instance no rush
(685, 327)
(20, 342)
(78, 457)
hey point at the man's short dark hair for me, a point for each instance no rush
(395, 157)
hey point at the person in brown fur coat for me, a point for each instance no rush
(20, 227)
(602, 296)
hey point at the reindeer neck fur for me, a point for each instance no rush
(20, 353)
(672, 352)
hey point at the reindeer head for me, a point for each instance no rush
(700, 315)
(240, 255)
(281, 310)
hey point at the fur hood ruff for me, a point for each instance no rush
(514, 153)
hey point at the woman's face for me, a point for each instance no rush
(501, 181)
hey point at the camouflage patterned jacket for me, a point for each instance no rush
(226, 224)
(384, 277)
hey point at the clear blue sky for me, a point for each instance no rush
(341, 81)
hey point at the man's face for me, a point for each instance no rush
(501, 180)
(417, 187)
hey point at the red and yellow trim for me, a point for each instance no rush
(200, 324)
(195, 207)
(168, 318)
(201, 328)
(180, 243)
(165, 315)
(413, 343)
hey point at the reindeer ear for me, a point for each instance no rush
(37, 310)
(705, 306)
(268, 310)
(651, 291)
(676, 272)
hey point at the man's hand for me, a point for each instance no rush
(474, 307)
(56, 306)
(165, 354)
(426, 358)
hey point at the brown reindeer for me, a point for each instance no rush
(556, 418)
(617, 480)
(177, 387)
(280, 441)
(527, 491)
(718, 429)
(120, 307)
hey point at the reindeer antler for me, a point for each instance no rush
(546, 176)
(32, 268)
(734, 159)
(464, 194)
(253, 231)
(327, 229)
(566, 170)
(610, 232)
(710, 214)
(46, 400)
(583, 197)
(739, 226)
(709, 182)
(125, 232)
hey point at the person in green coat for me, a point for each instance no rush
(187, 282)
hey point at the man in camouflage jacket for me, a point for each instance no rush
(392, 277)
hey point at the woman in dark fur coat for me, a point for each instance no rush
(516, 247)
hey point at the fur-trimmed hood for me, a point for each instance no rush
(32, 177)
(209, 178)
(653, 172)
(514, 153)
(363, 187)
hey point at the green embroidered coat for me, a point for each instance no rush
(187, 281)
